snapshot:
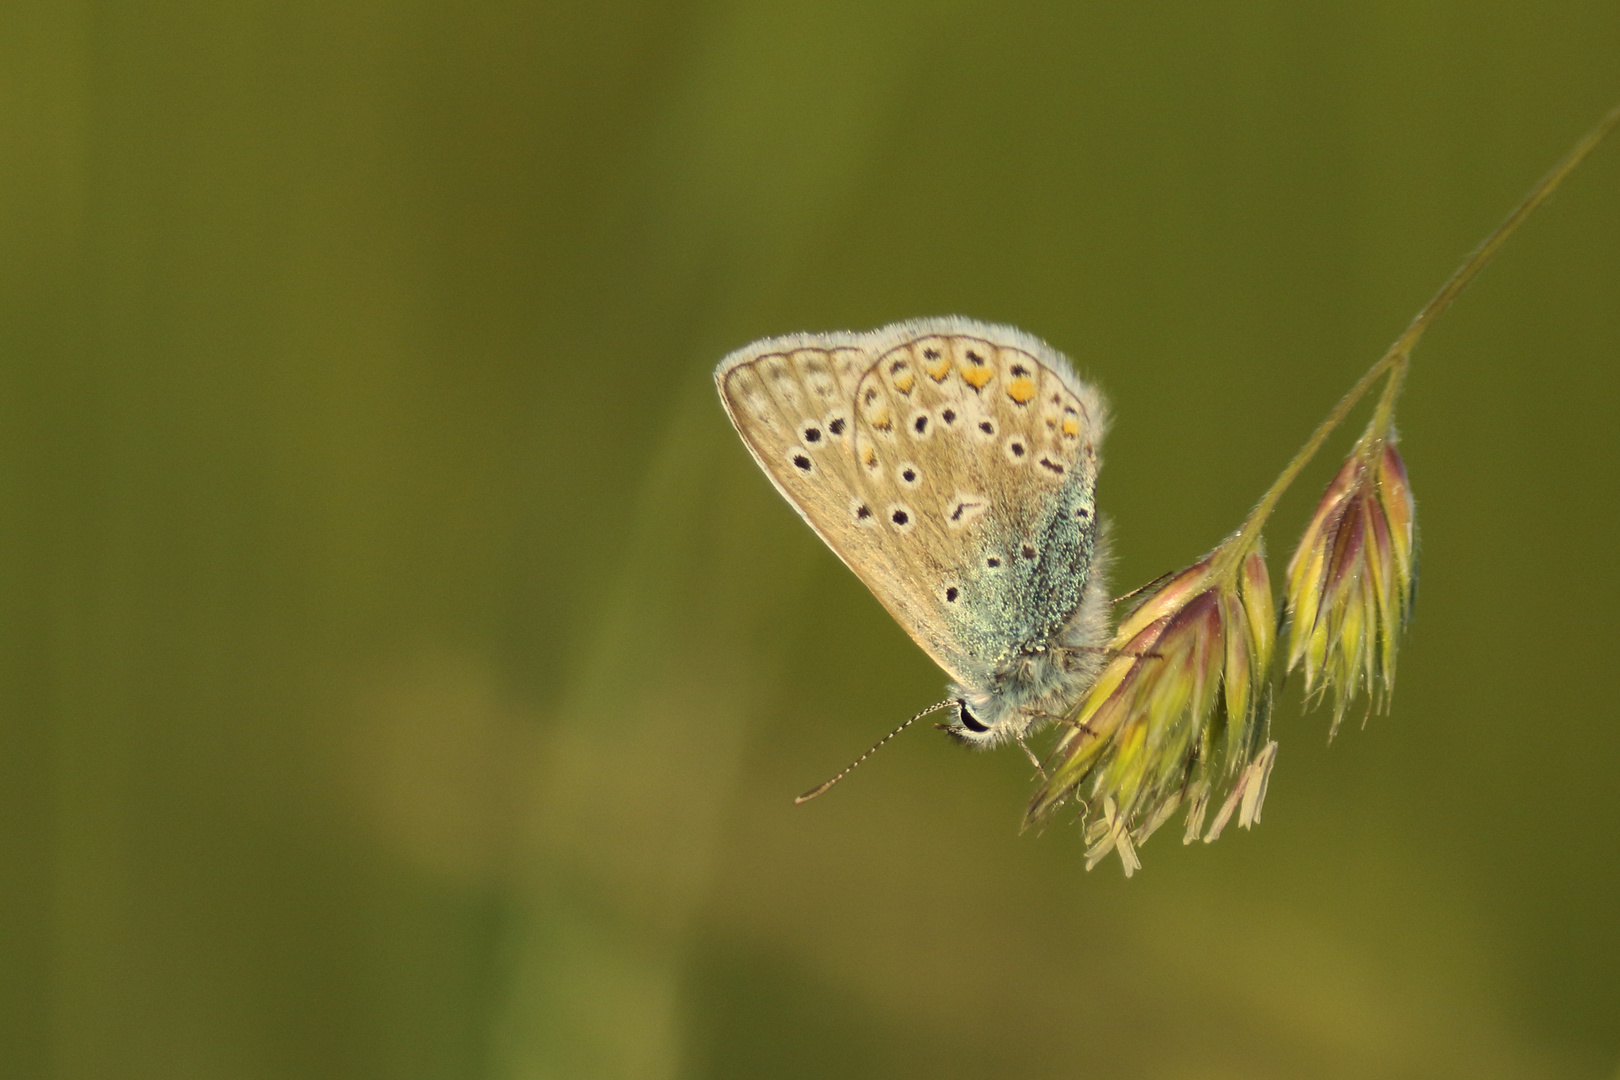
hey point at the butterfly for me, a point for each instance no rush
(952, 465)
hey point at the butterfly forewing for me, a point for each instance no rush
(793, 407)
(950, 464)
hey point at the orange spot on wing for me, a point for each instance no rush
(1021, 390)
(1071, 426)
(976, 377)
(939, 368)
(905, 382)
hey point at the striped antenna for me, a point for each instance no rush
(813, 792)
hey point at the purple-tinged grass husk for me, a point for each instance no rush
(1352, 581)
(1178, 714)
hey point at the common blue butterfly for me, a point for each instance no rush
(952, 465)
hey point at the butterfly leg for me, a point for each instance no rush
(1143, 588)
(1098, 650)
(1033, 760)
(1084, 729)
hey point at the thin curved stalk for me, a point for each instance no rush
(1395, 360)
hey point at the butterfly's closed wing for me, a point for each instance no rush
(949, 463)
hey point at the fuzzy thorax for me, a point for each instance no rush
(1041, 680)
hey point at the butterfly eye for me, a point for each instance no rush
(970, 721)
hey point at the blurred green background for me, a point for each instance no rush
(404, 671)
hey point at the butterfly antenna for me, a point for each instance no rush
(813, 792)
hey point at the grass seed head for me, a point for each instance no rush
(1352, 580)
(1178, 712)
